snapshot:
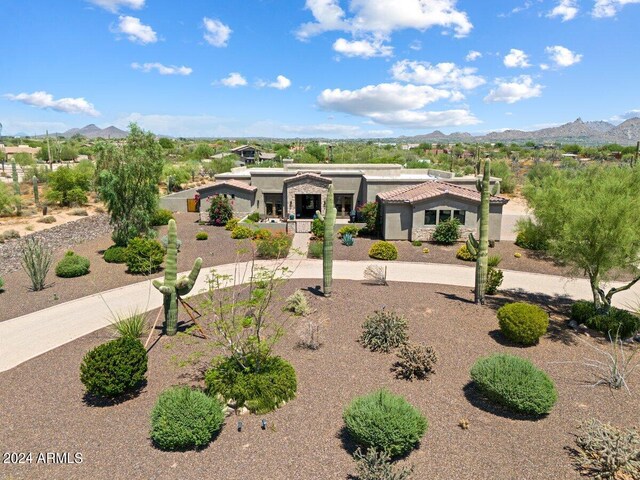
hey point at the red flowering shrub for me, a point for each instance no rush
(220, 210)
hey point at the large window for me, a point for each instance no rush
(434, 217)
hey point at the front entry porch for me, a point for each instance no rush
(307, 205)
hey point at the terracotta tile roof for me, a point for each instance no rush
(231, 183)
(432, 189)
(311, 175)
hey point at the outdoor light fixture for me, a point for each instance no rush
(263, 424)
(239, 426)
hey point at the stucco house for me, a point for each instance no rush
(408, 198)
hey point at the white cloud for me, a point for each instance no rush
(444, 74)
(416, 45)
(217, 33)
(562, 56)
(162, 69)
(519, 88)
(516, 59)
(362, 48)
(395, 104)
(383, 17)
(114, 5)
(544, 66)
(181, 125)
(566, 9)
(45, 100)
(625, 116)
(281, 83)
(609, 8)
(472, 56)
(135, 30)
(234, 79)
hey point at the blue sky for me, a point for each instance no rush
(304, 68)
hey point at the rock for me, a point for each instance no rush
(582, 327)
(637, 337)
(573, 324)
(228, 411)
(242, 411)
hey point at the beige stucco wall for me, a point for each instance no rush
(243, 203)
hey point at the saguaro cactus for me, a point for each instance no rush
(172, 288)
(481, 248)
(36, 194)
(14, 176)
(327, 243)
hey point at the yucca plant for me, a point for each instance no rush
(130, 325)
(36, 261)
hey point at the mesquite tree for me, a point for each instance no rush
(128, 178)
(329, 220)
(591, 219)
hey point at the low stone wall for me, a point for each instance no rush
(425, 234)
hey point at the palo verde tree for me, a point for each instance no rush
(128, 177)
(592, 222)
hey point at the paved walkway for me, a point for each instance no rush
(300, 246)
(28, 336)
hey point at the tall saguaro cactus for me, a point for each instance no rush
(327, 243)
(36, 194)
(172, 288)
(480, 248)
(16, 186)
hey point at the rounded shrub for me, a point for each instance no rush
(383, 331)
(317, 228)
(231, 224)
(447, 232)
(72, 265)
(259, 386)
(115, 254)
(463, 253)
(522, 322)
(1, 284)
(382, 250)
(220, 210)
(416, 243)
(144, 255)
(184, 418)
(241, 231)
(161, 217)
(202, 236)
(615, 323)
(254, 217)
(515, 383)
(274, 246)
(350, 229)
(582, 310)
(262, 234)
(385, 422)
(114, 368)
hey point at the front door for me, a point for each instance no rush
(344, 204)
(307, 205)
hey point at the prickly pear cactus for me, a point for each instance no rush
(172, 288)
(327, 243)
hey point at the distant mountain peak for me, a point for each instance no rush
(93, 131)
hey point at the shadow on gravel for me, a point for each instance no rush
(475, 398)
(458, 298)
(317, 291)
(350, 446)
(99, 402)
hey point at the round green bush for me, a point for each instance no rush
(383, 251)
(72, 265)
(385, 422)
(161, 217)
(115, 254)
(447, 232)
(1, 284)
(615, 323)
(114, 368)
(144, 255)
(261, 234)
(463, 253)
(231, 224)
(202, 236)
(350, 229)
(515, 383)
(582, 310)
(522, 322)
(184, 418)
(260, 391)
(241, 231)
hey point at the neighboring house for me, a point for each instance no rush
(247, 153)
(11, 151)
(413, 201)
(413, 212)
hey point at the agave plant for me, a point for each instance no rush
(347, 240)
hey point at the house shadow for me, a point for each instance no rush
(478, 400)
(97, 401)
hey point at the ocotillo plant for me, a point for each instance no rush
(172, 288)
(36, 194)
(481, 248)
(329, 219)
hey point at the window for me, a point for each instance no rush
(459, 215)
(430, 217)
(233, 196)
(444, 216)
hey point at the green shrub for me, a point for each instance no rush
(231, 224)
(315, 249)
(254, 217)
(383, 331)
(261, 234)
(374, 465)
(385, 422)
(144, 255)
(369, 213)
(220, 210)
(79, 212)
(132, 325)
(241, 232)
(184, 418)
(260, 391)
(114, 368)
(493, 261)
(522, 322)
(275, 246)
(317, 228)
(530, 236)
(494, 280)
(416, 243)
(350, 229)
(202, 236)
(463, 253)
(47, 219)
(383, 250)
(10, 235)
(1, 284)
(582, 310)
(415, 360)
(514, 383)
(36, 260)
(161, 217)
(297, 304)
(447, 232)
(77, 196)
(615, 323)
(72, 265)
(115, 254)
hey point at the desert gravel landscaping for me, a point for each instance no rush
(44, 410)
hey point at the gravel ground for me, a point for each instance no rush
(43, 408)
(18, 299)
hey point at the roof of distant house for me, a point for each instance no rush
(242, 147)
(432, 189)
(232, 183)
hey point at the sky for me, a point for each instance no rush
(316, 68)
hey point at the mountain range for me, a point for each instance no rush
(93, 131)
